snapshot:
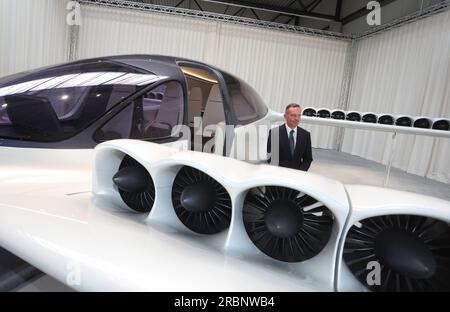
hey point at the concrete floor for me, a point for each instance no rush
(336, 165)
(44, 284)
(351, 169)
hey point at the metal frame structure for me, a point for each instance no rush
(361, 12)
(423, 13)
(287, 11)
(218, 17)
(306, 11)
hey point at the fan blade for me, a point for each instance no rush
(201, 203)
(277, 224)
(409, 248)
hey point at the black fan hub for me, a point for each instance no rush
(354, 117)
(284, 218)
(309, 112)
(338, 115)
(323, 113)
(370, 118)
(422, 123)
(404, 254)
(441, 125)
(133, 179)
(404, 122)
(198, 197)
(386, 120)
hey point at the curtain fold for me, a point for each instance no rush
(405, 71)
(111, 31)
(33, 33)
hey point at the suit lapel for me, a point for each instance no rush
(284, 142)
(298, 142)
(283, 136)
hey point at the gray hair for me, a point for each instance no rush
(292, 105)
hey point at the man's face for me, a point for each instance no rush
(292, 117)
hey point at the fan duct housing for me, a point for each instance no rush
(309, 112)
(135, 185)
(354, 116)
(338, 115)
(286, 224)
(323, 113)
(370, 118)
(404, 122)
(386, 120)
(441, 125)
(413, 252)
(201, 203)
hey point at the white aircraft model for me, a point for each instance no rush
(153, 215)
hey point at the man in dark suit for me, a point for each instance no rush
(289, 145)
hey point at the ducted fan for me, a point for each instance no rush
(441, 125)
(413, 253)
(353, 116)
(135, 185)
(323, 113)
(286, 224)
(423, 123)
(403, 122)
(370, 118)
(310, 112)
(386, 120)
(338, 115)
(200, 202)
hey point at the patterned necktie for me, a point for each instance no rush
(291, 142)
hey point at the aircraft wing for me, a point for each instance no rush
(202, 222)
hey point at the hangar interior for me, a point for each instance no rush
(321, 54)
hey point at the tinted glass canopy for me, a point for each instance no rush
(57, 102)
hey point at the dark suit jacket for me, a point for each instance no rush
(302, 154)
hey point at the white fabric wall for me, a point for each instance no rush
(282, 67)
(285, 68)
(33, 33)
(404, 71)
(110, 31)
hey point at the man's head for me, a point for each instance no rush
(292, 115)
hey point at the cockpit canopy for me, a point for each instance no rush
(143, 97)
(58, 102)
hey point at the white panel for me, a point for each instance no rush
(404, 71)
(33, 33)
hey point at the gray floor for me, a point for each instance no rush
(340, 166)
(44, 283)
(351, 169)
